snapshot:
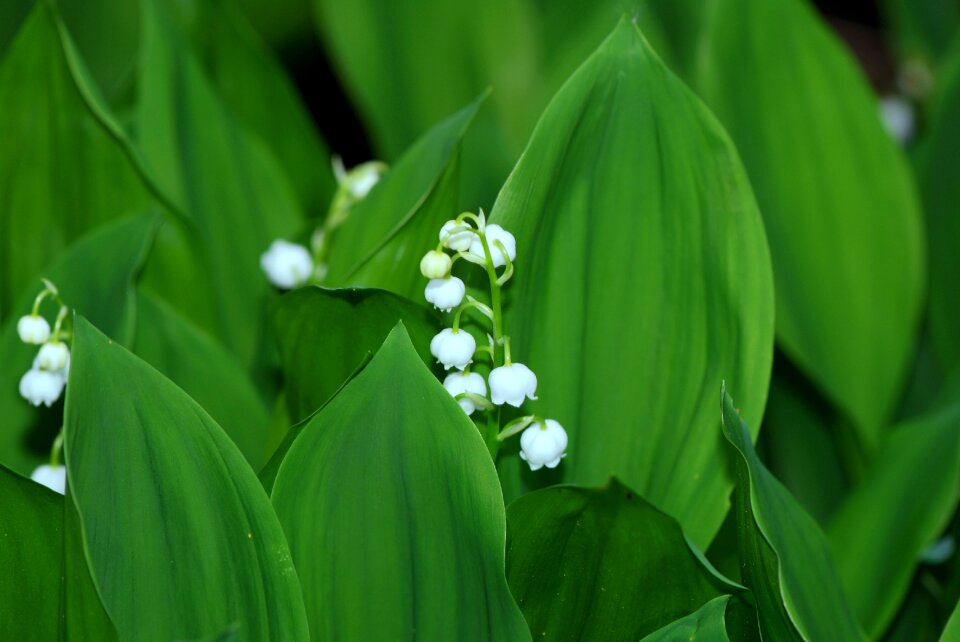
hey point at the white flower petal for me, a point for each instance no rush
(33, 329)
(543, 444)
(445, 294)
(512, 384)
(53, 477)
(287, 265)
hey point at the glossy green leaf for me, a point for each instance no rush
(325, 335)
(169, 507)
(642, 281)
(837, 198)
(706, 624)
(386, 234)
(396, 524)
(952, 631)
(784, 555)
(204, 370)
(82, 616)
(590, 564)
(224, 179)
(62, 173)
(897, 511)
(95, 276)
(31, 558)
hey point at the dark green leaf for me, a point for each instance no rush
(922, 29)
(952, 632)
(837, 198)
(706, 624)
(396, 524)
(169, 507)
(586, 564)
(642, 280)
(784, 555)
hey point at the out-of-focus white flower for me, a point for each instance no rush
(360, 179)
(33, 329)
(286, 264)
(495, 233)
(899, 118)
(52, 356)
(41, 387)
(53, 477)
(445, 294)
(460, 382)
(435, 265)
(543, 444)
(511, 384)
(454, 349)
(457, 237)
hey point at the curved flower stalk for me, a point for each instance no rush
(468, 238)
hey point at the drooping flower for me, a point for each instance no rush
(287, 265)
(457, 237)
(41, 386)
(53, 356)
(460, 382)
(53, 477)
(495, 233)
(899, 118)
(511, 384)
(453, 348)
(543, 444)
(33, 329)
(445, 294)
(435, 265)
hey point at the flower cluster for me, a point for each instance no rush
(289, 265)
(43, 383)
(469, 238)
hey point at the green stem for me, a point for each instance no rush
(493, 418)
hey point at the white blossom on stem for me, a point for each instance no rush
(53, 356)
(458, 383)
(53, 477)
(33, 329)
(495, 233)
(41, 386)
(453, 348)
(435, 265)
(511, 384)
(543, 444)
(457, 236)
(445, 294)
(287, 265)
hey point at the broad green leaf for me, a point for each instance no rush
(31, 559)
(952, 632)
(205, 371)
(838, 202)
(937, 175)
(590, 564)
(61, 171)
(706, 624)
(82, 615)
(169, 508)
(12, 15)
(95, 276)
(325, 335)
(224, 179)
(387, 233)
(784, 555)
(642, 280)
(922, 29)
(900, 508)
(396, 523)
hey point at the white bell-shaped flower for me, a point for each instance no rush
(286, 264)
(362, 178)
(53, 477)
(511, 384)
(445, 294)
(458, 383)
(457, 237)
(543, 444)
(41, 387)
(495, 233)
(53, 356)
(33, 329)
(454, 349)
(435, 265)
(899, 118)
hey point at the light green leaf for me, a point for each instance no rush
(837, 198)
(95, 276)
(784, 555)
(952, 632)
(642, 281)
(169, 507)
(225, 180)
(396, 524)
(325, 335)
(62, 173)
(706, 624)
(205, 371)
(902, 505)
(590, 564)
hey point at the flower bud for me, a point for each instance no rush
(287, 265)
(511, 384)
(52, 356)
(495, 233)
(457, 237)
(53, 477)
(445, 294)
(33, 329)
(453, 348)
(543, 444)
(41, 386)
(459, 382)
(435, 265)
(361, 179)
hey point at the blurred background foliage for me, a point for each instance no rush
(121, 111)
